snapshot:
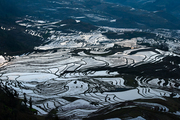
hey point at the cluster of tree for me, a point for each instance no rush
(13, 108)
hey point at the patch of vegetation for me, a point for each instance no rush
(116, 48)
(158, 69)
(129, 35)
(171, 103)
(129, 80)
(124, 111)
(70, 99)
(71, 24)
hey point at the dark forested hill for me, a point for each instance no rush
(169, 6)
(13, 40)
(8, 9)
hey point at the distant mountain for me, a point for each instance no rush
(169, 6)
(101, 13)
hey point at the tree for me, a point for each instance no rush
(25, 99)
(30, 103)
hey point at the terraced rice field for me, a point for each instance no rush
(80, 74)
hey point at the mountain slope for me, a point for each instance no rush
(169, 6)
(13, 39)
